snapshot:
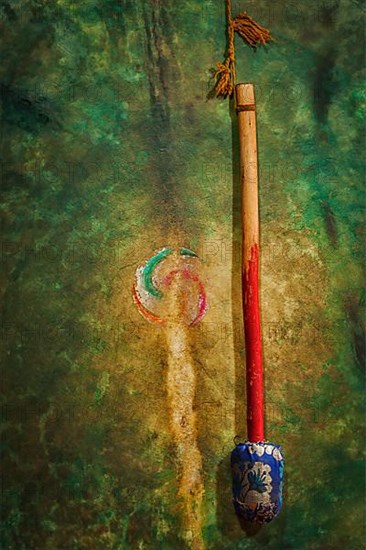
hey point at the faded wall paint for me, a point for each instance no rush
(110, 150)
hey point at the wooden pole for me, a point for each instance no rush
(245, 105)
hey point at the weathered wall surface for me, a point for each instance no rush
(110, 151)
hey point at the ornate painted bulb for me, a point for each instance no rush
(257, 470)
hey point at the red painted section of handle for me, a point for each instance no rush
(253, 346)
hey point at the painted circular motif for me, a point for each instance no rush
(154, 281)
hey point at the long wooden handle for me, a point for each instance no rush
(245, 105)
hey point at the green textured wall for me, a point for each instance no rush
(110, 150)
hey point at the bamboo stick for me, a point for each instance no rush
(245, 103)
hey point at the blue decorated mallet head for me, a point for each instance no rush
(257, 470)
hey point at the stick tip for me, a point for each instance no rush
(244, 94)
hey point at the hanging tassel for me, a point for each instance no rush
(250, 31)
(223, 77)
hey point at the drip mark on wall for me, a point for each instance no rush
(168, 290)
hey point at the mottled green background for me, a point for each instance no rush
(110, 149)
